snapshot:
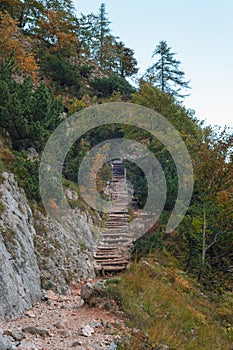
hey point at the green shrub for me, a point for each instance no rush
(28, 115)
(85, 71)
(148, 244)
(64, 74)
(105, 87)
(27, 175)
(174, 313)
(2, 207)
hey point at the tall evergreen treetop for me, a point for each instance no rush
(104, 32)
(165, 73)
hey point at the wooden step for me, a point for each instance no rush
(116, 242)
(110, 260)
(111, 268)
(105, 256)
(113, 263)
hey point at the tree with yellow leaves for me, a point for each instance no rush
(14, 51)
(60, 33)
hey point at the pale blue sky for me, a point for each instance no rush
(200, 32)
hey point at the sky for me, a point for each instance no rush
(200, 32)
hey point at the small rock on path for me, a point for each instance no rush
(63, 323)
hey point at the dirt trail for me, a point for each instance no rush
(64, 323)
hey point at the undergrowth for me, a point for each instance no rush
(168, 307)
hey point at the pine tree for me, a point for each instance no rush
(127, 63)
(28, 115)
(87, 34)
(165, 73)
(103, 35)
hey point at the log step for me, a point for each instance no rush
(113, 268)
(112, 262)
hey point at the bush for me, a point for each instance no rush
(28, 115)
(85, 71)
(27, 175)
(64, 74)
(105, 87)
(148, 244)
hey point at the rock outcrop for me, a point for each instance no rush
(19, 272)
(64, 256)
(37, 253)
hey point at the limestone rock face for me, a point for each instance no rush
(19, 272)
(37, 253)
(64, 255)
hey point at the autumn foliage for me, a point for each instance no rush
(14, 50)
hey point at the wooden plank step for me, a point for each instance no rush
(117, 251)
(112, 268)
(107, 247)
(106, 256)
(118, 225)
(118, 213)
(114, 215)
(116, 242)
(116, 230)
(104, 245)
(116, 236)
(113, 263)
(110, 259)
(119, 217)
(125, 259)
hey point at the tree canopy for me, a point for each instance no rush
(165, 72)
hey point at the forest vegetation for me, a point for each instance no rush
(54, 63)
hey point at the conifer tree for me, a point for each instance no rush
(127, 63)
(165, 73)
(103, 35)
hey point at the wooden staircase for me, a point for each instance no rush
(113, 251)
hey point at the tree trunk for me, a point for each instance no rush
(162, 73)
(203, 255)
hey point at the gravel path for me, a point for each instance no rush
(64, 323)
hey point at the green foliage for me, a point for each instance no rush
(27, 174)
(105, 87)
(26, 13)
(137, 178)
(165, 73)
(85, 71)
(210, 229)
(148, 244)
(2, 208)
(28, 115)
(65, 76)
(125, 62)
(98, 44)
(2, 178)
(167, 307)
(152, 97)
(30, 112)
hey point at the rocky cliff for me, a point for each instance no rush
(37, 253)
(64, 256)
(19, 271)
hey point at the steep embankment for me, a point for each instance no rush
(37, 252)
(19, 272)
